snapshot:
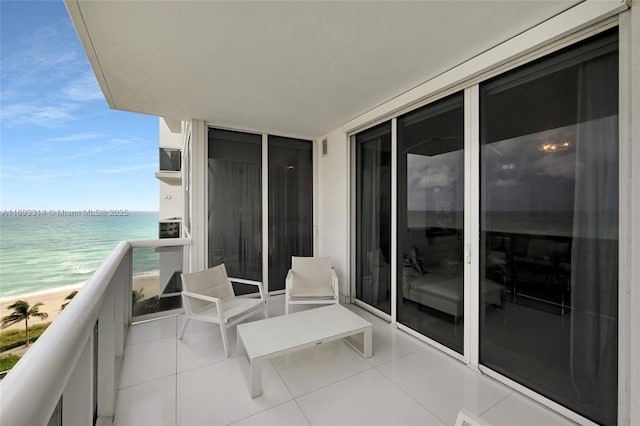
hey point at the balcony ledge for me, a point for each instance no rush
(170, 177)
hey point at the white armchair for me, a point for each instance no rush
(311, 280)
(208, 296)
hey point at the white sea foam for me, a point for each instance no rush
(82, 270)
(45, 292)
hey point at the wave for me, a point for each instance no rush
(10, 296)
(82, 270)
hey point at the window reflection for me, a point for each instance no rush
(431, 221)
(549, 226)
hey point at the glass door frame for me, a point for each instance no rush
(470, 86)
(265, 196)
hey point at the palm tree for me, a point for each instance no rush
(68, 299)
(22, 312)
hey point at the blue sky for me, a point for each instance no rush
(61, 147)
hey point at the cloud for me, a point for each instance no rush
(437, 177)
(37, 114)
(45, 55)
(76, 137)
(84, 89)
(145, 166)
(46, 80)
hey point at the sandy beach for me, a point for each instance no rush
(52, 301)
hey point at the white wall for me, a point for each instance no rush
(170, 196)
(333, 206)
(170, 201)
(168, 139)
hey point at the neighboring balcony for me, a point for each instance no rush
(98, 365)
(170, 167)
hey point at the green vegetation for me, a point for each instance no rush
(68, 299)
(22, 312)
(142, 306)
(10, 339)
(8, 361)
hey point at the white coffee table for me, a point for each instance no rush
(272, 337)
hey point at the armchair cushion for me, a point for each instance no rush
(210, 282)
(301, 289)
(311, 277)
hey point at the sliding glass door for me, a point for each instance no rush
(431, 221)
(549, 226)
(545, 141)
(373, 217)
(235, 204)
(290, 205)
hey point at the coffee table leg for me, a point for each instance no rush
(239, 345)
(367, 343)
(255, 377)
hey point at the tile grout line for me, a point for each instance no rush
(370, 367)
(405, 392)
(294, 398)
(492, 406)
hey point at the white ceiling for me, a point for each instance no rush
(293, 68)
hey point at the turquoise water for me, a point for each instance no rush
(46, 253)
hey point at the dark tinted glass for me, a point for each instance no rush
(290, 205)
(373, 217)
(549, 227)
(431, 221)
(235, 203)
(170, 159)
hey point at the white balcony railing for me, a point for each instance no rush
(70, 375)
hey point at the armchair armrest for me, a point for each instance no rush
(243, 281)
(217, 301)
(201, 297)
(250, 282)
(334, 283)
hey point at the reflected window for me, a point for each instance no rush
(549, 226)
(431, 221)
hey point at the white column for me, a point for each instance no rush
(265, 212)
(471, 226)
(199, 209)
(629, 283)
(394, 221)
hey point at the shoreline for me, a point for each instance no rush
(52, 299)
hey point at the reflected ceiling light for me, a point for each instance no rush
(555, 146)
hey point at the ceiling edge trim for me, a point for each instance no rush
(77, 18)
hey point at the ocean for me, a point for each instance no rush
(40, 254)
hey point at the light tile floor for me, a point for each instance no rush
(188, 382)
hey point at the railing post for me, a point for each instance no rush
(77, 401)
(122, 282)
(106, 357)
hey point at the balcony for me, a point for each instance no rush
(97, 365)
